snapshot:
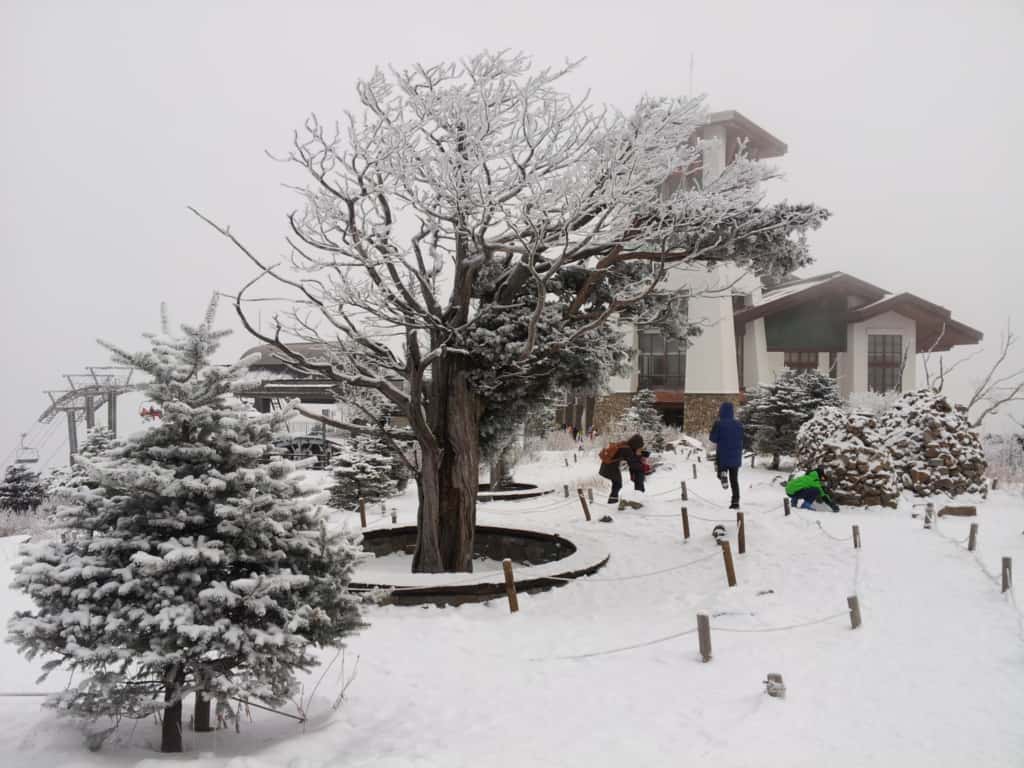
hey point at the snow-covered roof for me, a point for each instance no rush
(936, 328)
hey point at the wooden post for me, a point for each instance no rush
(362, 512)
(1007, 573)
(699, 458)
(972, 541)
(704, 636)
(741, 534)
(730, 571)
(929, 514)
(510, 586)
(995, 483)
(583, 503)
(590, 495)
(566, 489)
(566, 461)
(694, 471)
(856, 537)
(686, 524)
(682, 490)
(751, 461)
(854, 611)
(785, 506)
(394, 516)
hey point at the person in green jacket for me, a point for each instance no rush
(809, 488)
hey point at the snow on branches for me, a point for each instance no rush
(190, 560)
(465, 193)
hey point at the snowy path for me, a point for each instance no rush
(934, 677)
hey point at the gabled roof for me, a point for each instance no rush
(936, 329)
(794, 292)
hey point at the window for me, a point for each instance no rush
(662, 362)
(803, 361)
(885, 362)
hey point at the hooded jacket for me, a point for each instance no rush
(727, 434)
(810, 480)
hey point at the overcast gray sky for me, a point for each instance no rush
(903, 119)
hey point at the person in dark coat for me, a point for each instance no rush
(629, 452)
(727, 435)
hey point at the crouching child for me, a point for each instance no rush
(613, 454)
(809, 488)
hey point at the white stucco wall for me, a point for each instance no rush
(857, 344)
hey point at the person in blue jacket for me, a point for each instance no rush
(727, 435)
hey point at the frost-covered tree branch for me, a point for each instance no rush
(467, 236)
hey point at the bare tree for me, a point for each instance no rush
(490, 225)
(999, 385)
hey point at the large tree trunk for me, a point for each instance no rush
(201, 718)
(170, 736)
(450, 474)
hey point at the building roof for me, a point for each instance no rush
(738, 126)
(271, 357)
(936, 329)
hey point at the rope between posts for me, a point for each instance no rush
(675, 635)
(610, 651)
(586, 579)
(781, 629)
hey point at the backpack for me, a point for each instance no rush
(609, 452)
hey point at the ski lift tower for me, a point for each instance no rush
(88, 393)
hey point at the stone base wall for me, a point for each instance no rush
(700, 411)
(609, 408)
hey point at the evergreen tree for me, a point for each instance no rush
(365, 468)
(775, 412)
(188, 564)
(21, 491)
(642, 416)
(63, 483)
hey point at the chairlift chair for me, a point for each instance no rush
(150, 412)
(26, 454)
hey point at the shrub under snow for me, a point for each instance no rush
(934, 447)
(923, 443)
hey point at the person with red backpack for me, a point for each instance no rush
(613, 454)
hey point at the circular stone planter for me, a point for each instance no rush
(541, 561)
(511, 492)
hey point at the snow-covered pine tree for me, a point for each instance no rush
(189, 565)
(642, 416)
(364, 468)
(62, 483)
(21, 490)
(775, 412)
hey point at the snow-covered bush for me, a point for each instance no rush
(366, 468)
(849, 447)
(21, 491)
(775, 412)
(186, 564)
(934, 447)
(875, 403)
(1005, 457)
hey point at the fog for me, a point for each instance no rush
(903, 120)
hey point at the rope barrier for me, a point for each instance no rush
(587, 579)
(782, 629)
(610, 651)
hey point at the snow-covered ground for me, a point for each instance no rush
(934, 677)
